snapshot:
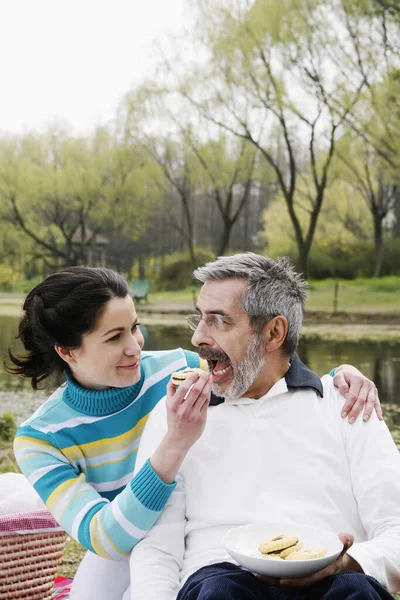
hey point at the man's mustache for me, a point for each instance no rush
(208, 354)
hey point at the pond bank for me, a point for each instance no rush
(366, 324)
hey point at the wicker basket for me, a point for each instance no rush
(31, 549)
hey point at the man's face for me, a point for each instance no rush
(225, 338)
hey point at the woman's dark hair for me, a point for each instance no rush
(59, 311)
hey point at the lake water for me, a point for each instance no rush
(380, 361)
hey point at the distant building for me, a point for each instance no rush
(95, 246)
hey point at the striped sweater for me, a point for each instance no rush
(79, 450)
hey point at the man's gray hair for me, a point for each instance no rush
(273, 288)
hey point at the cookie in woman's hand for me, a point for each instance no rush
(178, 377)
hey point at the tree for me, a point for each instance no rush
(271, 79)
(230, 171)
(343, 223)
(374, 28)
(61, 192)
(377, 184)
(178, 165)
(200, 166)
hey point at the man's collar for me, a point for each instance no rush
(297, 376)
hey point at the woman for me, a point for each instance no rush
(79, 448)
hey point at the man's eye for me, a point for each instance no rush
(217, 321)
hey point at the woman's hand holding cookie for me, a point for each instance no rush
(186, 418)
(187, 408)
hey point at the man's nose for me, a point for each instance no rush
(201, 335)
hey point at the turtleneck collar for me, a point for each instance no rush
(99, 403)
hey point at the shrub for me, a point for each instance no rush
(348, 261)
(8, 278)
(176, 272)
(391, 263)
(352, 261)
(8, 427)
(24, 286)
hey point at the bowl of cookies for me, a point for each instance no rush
(283, 550)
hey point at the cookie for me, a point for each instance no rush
(291, 549)
(178, 377)
(306, 554)
(279, 542)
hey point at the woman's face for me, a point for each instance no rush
(109, 356)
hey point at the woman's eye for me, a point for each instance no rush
(135, 326)
(114, 338)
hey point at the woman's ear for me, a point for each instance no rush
(65, 353)
(275, 332)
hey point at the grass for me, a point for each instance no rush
(357, 295)
(73, 555)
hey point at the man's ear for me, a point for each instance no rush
(65, 353)
(275, 332)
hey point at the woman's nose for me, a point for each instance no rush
(134, 345)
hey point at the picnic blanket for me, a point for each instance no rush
(62, 588)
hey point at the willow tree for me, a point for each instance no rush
(374, 29)
(281, 76)
(199, 165)
(228, 172)
(375, 181)
(344, 222)
(61, 192)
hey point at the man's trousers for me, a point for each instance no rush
(225, 581)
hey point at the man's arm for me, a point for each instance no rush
(374, 465)
(156, 562)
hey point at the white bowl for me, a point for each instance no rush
(242, 544)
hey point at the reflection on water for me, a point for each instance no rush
(380, 361)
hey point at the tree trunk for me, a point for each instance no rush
(225, 237)
(188, 225)
(379, 244)
(302, 259)
(142, 270)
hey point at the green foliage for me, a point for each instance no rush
(8, 464)
(9, 278)
(8, 427)
(57, 191)
(355, 260)
(343, 222)
(176, 272)
(24, 286)
(343, 243)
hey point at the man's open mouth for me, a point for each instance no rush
(219, 367)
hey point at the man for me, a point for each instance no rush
(275, 448)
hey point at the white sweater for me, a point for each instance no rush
(287, 457)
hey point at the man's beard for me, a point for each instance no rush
(244, 373)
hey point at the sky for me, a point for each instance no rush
(73, 60)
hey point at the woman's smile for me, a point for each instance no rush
(130, 367)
